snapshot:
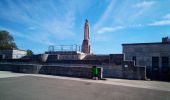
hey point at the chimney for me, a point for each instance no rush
(165, 40)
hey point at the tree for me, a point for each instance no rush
(29, 53)
(6, 41)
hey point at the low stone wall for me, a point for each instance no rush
(134, 72)
(112, 71)
(84, 72)
(20, 68)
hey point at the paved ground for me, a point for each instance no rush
(43, 87)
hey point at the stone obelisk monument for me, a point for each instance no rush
(86, 41)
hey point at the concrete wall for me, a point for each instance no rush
(116, 58)
(109, 71)
(97, 57)
(61, 55)
(72, 57)
(129, 71)
(67, 71)
(18, 54)
(12, 54)
(84, 72)
(112, 71)
(145, 52)
(55, 57)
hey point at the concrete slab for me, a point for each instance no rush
(6, 74)
(155, 85)
(46, 88)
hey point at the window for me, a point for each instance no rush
(1, 56)
(134, 59)
(155, 63)
(165, 64)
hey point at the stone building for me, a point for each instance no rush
(12, 54)
(75, 56)
(155, 56)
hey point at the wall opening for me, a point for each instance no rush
(165, 64)
(155, 67)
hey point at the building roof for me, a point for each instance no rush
(12, 50)
(152, 43)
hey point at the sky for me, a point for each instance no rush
(36, 24)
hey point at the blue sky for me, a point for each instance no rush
(36, 24)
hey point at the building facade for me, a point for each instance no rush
(155, 56)
(12, 54)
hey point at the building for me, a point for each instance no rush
(66, 56)
(12, 54)
(155, 56)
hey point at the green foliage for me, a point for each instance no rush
(29, 53)
(6, 41)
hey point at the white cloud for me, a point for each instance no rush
(105, 16)
(114, 15)
(113, 29)
(100, 38)
(144, 4)
(167, 16)
(164, 21)
(142, 8)
(43, 39)
(136, 25)
(59, 22)
(160, 23)
(31, 28)
(109, 29)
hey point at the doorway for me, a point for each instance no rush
(155, 67)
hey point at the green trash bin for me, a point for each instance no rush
(95, 72)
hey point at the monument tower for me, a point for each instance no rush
(86, 41)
